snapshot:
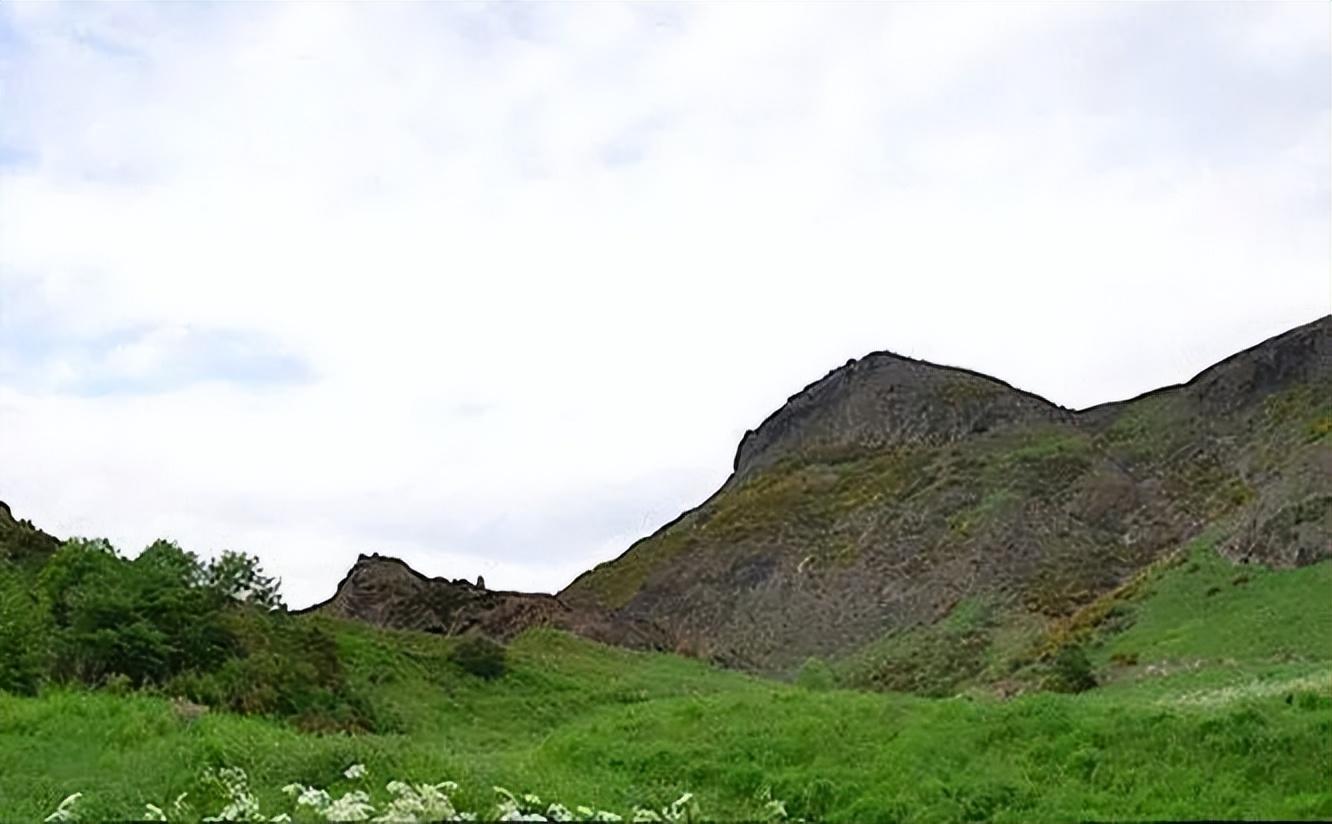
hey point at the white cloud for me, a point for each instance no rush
(543, 265)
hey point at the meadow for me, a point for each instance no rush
(1215, 703)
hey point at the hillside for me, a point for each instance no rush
(893, 493)
(1200, 728)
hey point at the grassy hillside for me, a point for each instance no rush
(1225, 714)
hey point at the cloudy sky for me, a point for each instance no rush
(498, 288)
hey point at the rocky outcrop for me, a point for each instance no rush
(23, 544)
(387, 592)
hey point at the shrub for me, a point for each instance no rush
(281, 665)
(480, 656)
(1071, 670)
(146, 619)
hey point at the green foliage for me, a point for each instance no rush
(167, 621)
(146, 619)
(1071, 670)
(24, 635)
(816, 674)
(589, 724)
(480, 656)
(283, 666)
(936, 659)
(239, 577)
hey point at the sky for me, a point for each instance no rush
(498, 288)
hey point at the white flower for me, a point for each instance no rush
(65, 812)
(152, 812)
(314, 797)
(353, 806)
(681, 809)
(355, 771)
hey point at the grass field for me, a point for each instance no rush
(1225, 712)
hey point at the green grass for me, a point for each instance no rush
(587, 724)
(1207, 609)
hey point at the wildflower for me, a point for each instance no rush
(353, 806)
(242, 804)
(66, 812)
(314, 797)
(355, 771)
(531, 802)
(681, 809)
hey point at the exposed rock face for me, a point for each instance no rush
(386, 592)
(883, 401)
(882, 495)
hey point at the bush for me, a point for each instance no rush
(282, 665)
(146, 619)
(1071, 670)
(480, 656)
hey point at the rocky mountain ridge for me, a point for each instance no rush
(887, 493)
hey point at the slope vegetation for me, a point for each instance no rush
(582, 723)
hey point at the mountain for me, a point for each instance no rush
(387, 592)
(895, 497)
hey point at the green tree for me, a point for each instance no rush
(24, 634)
(239, 577)
(145, 619)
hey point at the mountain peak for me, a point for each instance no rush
(884, 400)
